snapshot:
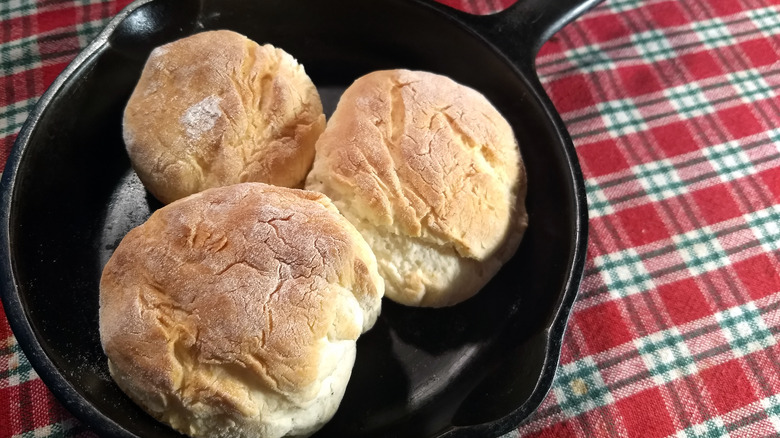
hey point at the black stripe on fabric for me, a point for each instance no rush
(744, 247)
(646, 143)
(717, 128)
(687, 209)
(742, 197)
(66, 40)
(582, 420)
(106, 11)
(31, 76)
(592, 270)
(612, 361)
(678, 408)
(687, 336)
(71, 53)
(6, 32)
(740, 58)
(103, 9)
(695, 160)
(40, 4)
(554, 74)
(771, 307)
(641, 102)
(26, 406)
(699, 400)
(565, 37)
(668, 35)
(57, 36)
(712, 289)
(712, 352)
(747, 421)
(774, 361)
(601, 290)
(632, 379)
(633, 314)
(758, 373)
(645, 374)
(653, 117)
(662, 317)
(596, 240)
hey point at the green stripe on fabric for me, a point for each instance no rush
(750, 86)
(689, 101)
(23, 371)
(598, 204)
(666, 356)
(765, 225)
(713, 33)
(16, 8)
(624, 273)
(766, 19)
(624, 5)
(19, 55)
(744, 329)
(89, 30)
(590, 58)
(729, 160)
(579, 387)
(653, 46)
(701, 251)
(659, 180)
(621, 117)
(771, 406)
(710, 429)
(12, 116)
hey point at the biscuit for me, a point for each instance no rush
(431, 175)
(216, 108)
(234, 312)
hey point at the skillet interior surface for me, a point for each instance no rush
(471, 370)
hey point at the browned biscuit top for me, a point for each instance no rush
(216, 108)
(422, 154)
(234, 292)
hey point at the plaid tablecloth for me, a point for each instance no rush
(673, 107)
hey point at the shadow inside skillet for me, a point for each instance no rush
(419, 372)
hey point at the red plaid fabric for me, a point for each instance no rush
(674, 111)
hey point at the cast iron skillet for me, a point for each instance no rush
(476, 369)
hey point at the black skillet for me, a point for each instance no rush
(477, 369)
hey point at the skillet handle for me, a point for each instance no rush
(520, 30)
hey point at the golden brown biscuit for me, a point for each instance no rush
(216, 108)
(234, 312)
(430, 174)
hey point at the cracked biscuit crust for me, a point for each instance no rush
(216, 108)
(431, 175)
(235, 311)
